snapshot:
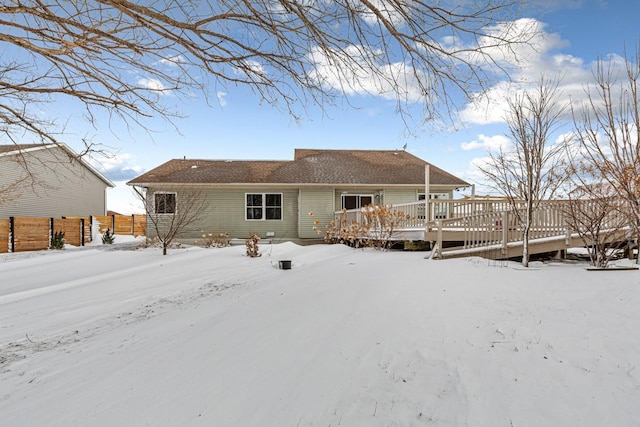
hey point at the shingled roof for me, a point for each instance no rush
(309, 166)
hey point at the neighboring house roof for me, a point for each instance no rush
(16, 149)
(309, 166)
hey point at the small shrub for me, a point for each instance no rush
(252, 245)
(155, 242)
(216, 240)
(107, 237)
(374, 227)
(57, 240)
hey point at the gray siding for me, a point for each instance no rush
(224, 211)
(61, 186)
(322, 203)
(395, 195)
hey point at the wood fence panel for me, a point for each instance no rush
(87, 226)
(122, 224)
(72, 230)
(105, 222)
(33, 234)
(139, 225)
(30, 234)
(87, 230)
(4, 236)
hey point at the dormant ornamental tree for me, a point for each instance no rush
(170, 213)
(121, 59)
(594, 211)
(533, 168)
(608, 132)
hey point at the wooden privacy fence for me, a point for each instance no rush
(19, 234)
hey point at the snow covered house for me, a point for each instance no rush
(49, 180)
(273, 198)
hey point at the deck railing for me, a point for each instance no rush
(490, 222)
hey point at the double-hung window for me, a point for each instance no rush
(165, 203)
(263, 206)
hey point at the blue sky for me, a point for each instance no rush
(236, 126)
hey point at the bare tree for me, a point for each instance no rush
(170, 213)
(532, 170)
(121, 58)
(608, 131)
(598, 219)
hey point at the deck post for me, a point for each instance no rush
(439, 242)
(505, 231)
(427, 185)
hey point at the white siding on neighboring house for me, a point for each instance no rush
(61, 185)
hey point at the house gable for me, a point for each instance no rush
(48, 181)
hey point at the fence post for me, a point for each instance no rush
(113, 224)
(50, 231)
(133, 220)
(12, 235)
(81, 231)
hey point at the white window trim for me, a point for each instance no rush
(359, 195)
(155, 210)
(264, 213)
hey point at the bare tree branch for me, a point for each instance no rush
(125, 57)
(608, 131)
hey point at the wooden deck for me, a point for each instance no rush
(489, 227)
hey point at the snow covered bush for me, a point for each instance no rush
(252, 245)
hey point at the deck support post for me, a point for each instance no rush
(505, 231)
(439, 237)
(427, 185)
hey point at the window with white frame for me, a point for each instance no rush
(263, 206)
(356, 201)
(164, 203)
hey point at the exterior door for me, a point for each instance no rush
(356, 201)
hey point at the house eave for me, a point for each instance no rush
(290, 185)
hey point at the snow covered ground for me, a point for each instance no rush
(114, 336)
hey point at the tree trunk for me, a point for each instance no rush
(525, 246)
(525, 234)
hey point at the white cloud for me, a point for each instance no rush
(173, 61)
(250, 67)
(487, 143)
(222, 98)
(527, 65)
(117, 167)
(385, 8)
(352, 74)
(154, 85)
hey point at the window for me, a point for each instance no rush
(165, 203)
(265, 206)
(356, 201)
